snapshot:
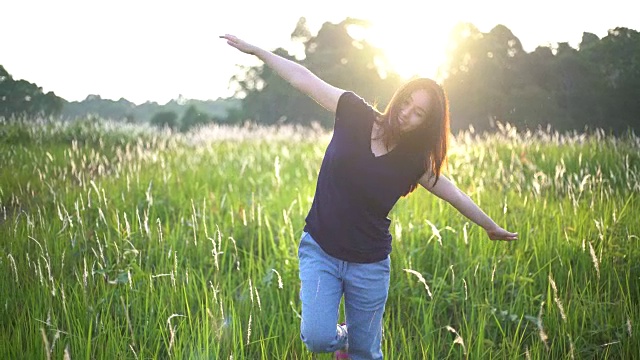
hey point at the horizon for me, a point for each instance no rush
(128, 58)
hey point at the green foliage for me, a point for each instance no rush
(165, 119)
(491, 78)
(24, 99)
(95, 105)
(90, 131)
(235, 116)
(15, 133)
(159, 248)
(123, 109)
(336, 57)
(193, 118)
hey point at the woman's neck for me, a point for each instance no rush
(377, 140)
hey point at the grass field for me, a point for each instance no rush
(118, 241)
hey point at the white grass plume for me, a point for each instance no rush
(557, 299)
(279, 278)
(594, 258)
(436, 232)
(249, 329)
(13, 266)
(421, 279)
(172, 329)
(458, 339)
(541, 332)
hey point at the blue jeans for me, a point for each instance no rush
(323, 281)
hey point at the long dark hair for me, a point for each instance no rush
(430, 139)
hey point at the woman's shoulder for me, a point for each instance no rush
(352, 103)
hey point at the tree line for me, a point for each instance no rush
(491, 78)
(488, 75)
(24, 100)
(179, 114)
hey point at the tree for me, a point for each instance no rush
(336, 57)
(143, 113)
(481, 69)
(192, 118)
(22, 98)
(616, 59)
(597, 85)
(533, 101)
(165, 119)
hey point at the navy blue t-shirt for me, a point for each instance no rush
(356, 190)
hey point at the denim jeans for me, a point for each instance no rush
(323, 281)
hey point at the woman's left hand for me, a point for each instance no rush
(498, 233)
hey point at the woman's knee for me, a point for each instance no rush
(319, 340)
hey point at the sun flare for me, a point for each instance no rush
(412, 47)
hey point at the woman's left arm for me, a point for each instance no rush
(446, 190)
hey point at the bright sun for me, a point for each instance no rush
(414, 38)
(413, 46)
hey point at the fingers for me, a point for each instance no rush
(230, 37)
(503, 236)
(507, 236)
(508, 239)
(511, 237)
(236, 42)
(231, 40)
(239, 44)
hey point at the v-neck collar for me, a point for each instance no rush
(373, 155)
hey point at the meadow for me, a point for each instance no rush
(121, 241)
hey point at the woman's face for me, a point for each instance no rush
(413, 110)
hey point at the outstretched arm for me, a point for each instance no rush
(295, 74)
(447, 191)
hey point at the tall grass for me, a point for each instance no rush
(122, 241)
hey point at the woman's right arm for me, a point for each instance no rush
(295, 74)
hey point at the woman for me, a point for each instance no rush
(372, 160)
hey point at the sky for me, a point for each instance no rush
(160, 50)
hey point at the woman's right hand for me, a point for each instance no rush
(240, 44)
(295, 74)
